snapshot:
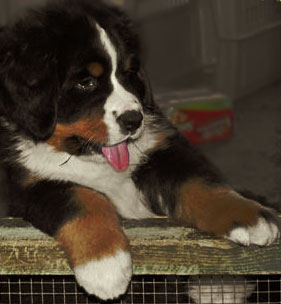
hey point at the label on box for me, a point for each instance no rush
(201, 117)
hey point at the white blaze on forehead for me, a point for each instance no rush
(110, 50)
(120, 99)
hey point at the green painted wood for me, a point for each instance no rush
(159, 246)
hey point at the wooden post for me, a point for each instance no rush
(159, 246)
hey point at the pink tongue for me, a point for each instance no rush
(117, 156)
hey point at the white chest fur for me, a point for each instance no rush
(89, 171)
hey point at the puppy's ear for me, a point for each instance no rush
(28, 84)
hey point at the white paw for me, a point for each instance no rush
(224, 289)
(263, 233)
(107, 278)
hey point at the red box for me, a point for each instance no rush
(201, 115)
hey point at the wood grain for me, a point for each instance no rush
(159, 246)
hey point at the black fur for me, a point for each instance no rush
(40, 208)
(25, 90)
(166, 171)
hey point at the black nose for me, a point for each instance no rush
(130, 121)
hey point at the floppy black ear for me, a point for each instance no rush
(28, 83)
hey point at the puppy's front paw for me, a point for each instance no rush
(107, 278)
(263, 233)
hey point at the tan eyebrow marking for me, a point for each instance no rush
(95, 69)
(129, 62)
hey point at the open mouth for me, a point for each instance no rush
(117, 156)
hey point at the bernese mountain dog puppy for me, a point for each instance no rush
(83, 143)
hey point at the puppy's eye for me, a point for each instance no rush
(87, 84)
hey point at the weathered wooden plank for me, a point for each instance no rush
(159, 246)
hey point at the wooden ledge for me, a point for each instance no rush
(158, 246)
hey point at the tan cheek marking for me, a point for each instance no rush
(95, 69)
(160, 143)
(96, 233)
(90, 128)
(29, 180)
(160, 138)
(128, 63)
(214, 210)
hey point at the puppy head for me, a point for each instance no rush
(72, 77)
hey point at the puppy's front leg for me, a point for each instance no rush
(222, 212)
(89, 233)
(96, 246)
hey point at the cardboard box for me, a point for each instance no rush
(200, 115)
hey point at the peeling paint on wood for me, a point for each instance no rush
(159, 246)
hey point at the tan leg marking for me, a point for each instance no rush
(94, 234)
(214, 210)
